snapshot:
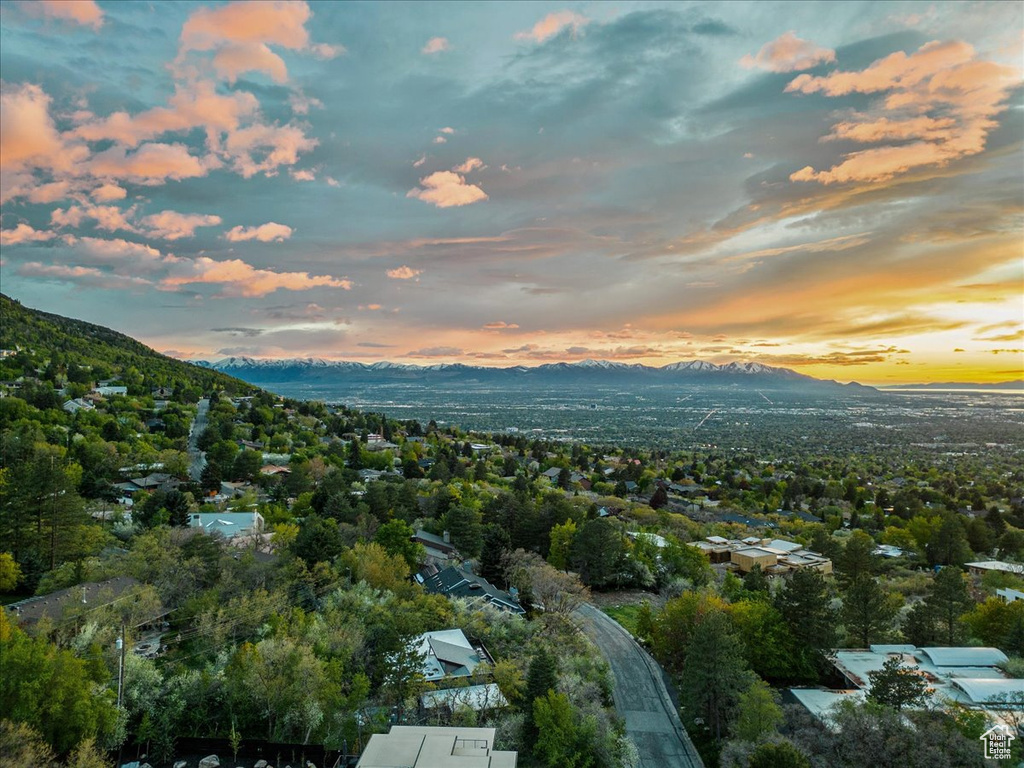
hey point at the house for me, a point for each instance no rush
(552, 474)
(155, 481)
(985, 566)
(1010, 595)
(78, 404)
(92, 594)
(775, 556)
(448, 654)
(107, 391)
(420, 746)
(459, 582)
(970, 677)
(228, 524)
(274, 469)
(438, 547)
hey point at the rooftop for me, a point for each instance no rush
(408, 746)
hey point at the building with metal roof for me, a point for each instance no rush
(448, 653)
(964, 657)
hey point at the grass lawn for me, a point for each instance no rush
(626, 615)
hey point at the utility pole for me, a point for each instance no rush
(122, 648)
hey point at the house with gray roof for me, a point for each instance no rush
(460, 582)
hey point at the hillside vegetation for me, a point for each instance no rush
(50, 346)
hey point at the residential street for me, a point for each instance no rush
(197, 459)
(641, 698)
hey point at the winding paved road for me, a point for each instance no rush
(641, 698)
(197, 459)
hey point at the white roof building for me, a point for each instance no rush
(968, 676)
(409, 746)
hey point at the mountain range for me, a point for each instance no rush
(595, 372)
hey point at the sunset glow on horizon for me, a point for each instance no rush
(833, 188)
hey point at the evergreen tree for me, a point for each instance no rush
(857, 559)
(948, 544)
(805, 605)
(659, 499)
(948, 600)
(466, 529)
(495, 544)
(714, 673)
(541, 678)
(897, 686)
(755, 581)
(867, 611)
(597, 552)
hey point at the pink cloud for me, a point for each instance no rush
(237, 59)
(28, 136)
(84, 12)
(108, 217)
(552, 24)
(171, 225)
(471, 164)
(447, 189)
(440, 140)
(303, 175)
(240, 34)
(151, 164)
(448, 130)
(279, 145)
(109, 192)
(404, 273)
(500, 326)
(241, 279)
(788, 53)
(435, 45)
(939, 99)
(265, 233)
(326, 51)
(277, 22)
(301, 103)
(123, 255)
(50, 193)
(195, 105)
(23, 233)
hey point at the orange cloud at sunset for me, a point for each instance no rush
(788, 53)
(447, 189)
(84, 12)
(940, 77)
(241, 279)
(552, 24)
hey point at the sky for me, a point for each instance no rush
(836, 188)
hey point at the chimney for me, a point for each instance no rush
(447, 537)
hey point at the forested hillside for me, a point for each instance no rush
(59, 350)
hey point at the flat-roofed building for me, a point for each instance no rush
(417, 746)
(746, 559)
(968, 677)
(984, 566)
(777, 557)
